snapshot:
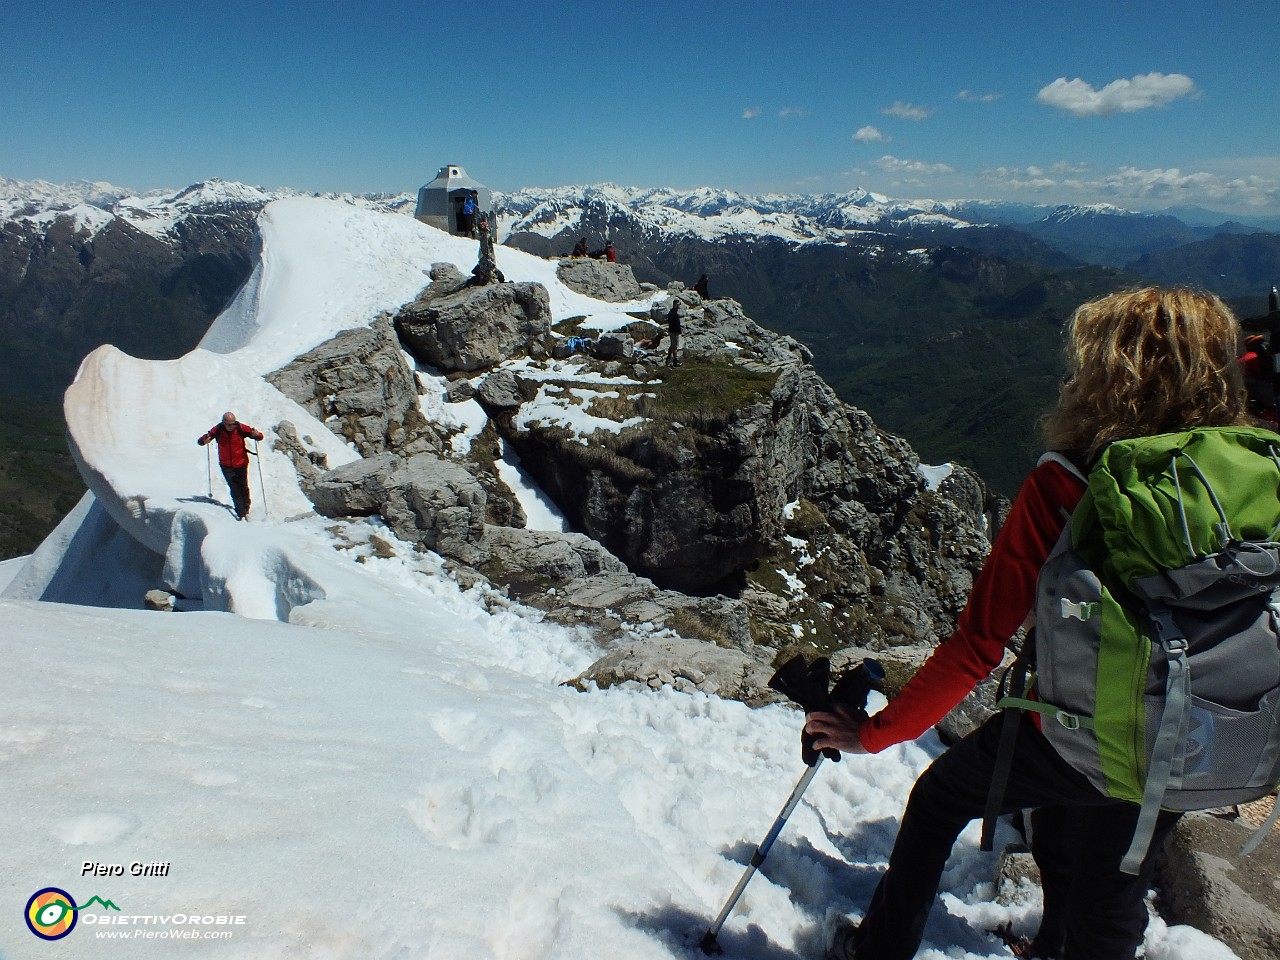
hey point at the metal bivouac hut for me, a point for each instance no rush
(440, 201)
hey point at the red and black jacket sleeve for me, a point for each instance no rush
(1002, 598)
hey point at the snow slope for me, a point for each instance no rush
(325, 266)
(369, 762)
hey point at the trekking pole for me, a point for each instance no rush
(806, 685)
(261, 483)
(709, 944)
(209, 468)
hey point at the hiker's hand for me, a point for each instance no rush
(837, 730)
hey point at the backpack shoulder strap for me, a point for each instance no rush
(1066, 461)
(1014, 682)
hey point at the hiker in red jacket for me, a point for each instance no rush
(233, 458)
(1140, 363)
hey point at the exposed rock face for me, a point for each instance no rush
(359, 384)
(614, 282)
(1206, 884)
(426, 500)
(696, 497)
(309, 462)
(578, 582)
(66, 288)
(453, 326)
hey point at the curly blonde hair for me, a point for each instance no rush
(1147, 361)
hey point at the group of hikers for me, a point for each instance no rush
(581, 250)
(1142, 365)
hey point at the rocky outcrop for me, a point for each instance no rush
(747, 475)
(684, 665)
(1205, 883)
(578, 582)
(360, 386)
(454, 326)
(309, 462)
(599, 279)
(434, 503)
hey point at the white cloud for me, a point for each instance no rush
(870, 134)
(1135, 185)
(891, 164)
(1175, 186)
(786, 112)
(972, 97)
(1120, 96)
(907, 111)
(750, 113)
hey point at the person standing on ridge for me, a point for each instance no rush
(233, 457)
(701, 287)
(610, 254)
(1139, 363)
(467, 217)
(673, 331)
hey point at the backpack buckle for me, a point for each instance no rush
(1081, 610)
(1068, 720)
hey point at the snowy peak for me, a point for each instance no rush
(34, 197)
(155, 212)
(714, 214)
(1091, 211)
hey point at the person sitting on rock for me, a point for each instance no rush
(580, 249)
(701, 287)
(233, 457)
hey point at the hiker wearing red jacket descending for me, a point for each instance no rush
(233, 457)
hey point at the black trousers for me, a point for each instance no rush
(238, 480)
(1092, 911)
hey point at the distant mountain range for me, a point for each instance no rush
(1098, 233)
(939, 317)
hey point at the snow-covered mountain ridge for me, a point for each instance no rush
(705, 212)
(155, 212)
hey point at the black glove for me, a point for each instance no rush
(809, 685)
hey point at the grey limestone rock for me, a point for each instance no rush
(614, 346)
(358, 384)
(1205, 883)
(503, 390)
(614, 282)
(309, 462)
(476, 327)
(161, 600)
(685, 665)
(424, 499)
(543, 557)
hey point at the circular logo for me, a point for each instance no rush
(51, 913)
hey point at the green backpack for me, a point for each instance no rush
(1157, 642)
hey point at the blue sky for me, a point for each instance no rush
(1141, 104)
